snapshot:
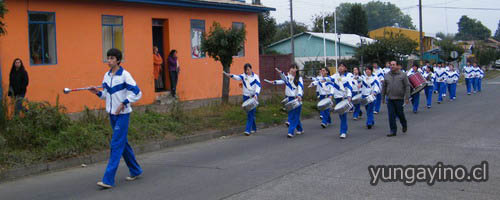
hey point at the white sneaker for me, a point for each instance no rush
(289, 135)
(375, 112)
(354, 118)
(131, 178)
(104, 185)
(343, 136)
(287, 124)
(252, 131)
(246, 133)
(323, 125)
(300, 132)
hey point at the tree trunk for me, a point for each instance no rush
(225, 84)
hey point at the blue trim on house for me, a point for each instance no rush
(204, 4)
(43, 49)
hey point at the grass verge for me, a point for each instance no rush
(46, 134)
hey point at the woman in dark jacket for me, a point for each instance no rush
(18, 81)
(173, 69)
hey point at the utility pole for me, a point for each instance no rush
(324, 41)
(421, 33)
(291, 32)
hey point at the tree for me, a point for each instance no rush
(392, 47)
(222, 44)
(329, 23)
(485, 55)
(283, 30)
(3, 10)
(381, 14)
(497, 33)
(267, 30)
(446, 46)
(472, 29)
(355, 22)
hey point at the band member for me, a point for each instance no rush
(415, 98)
(427, 65)
(434, 82)
(356, 89)
(324, 90)
(480, 79)
(397, 88)
(441, 77)
(118, 106)
(342, 90)
(469, 77)
(380, 75)
(369, 86)
(452, 82)
(294, 90)
(429, 76)
(251, 89)
(476, 71)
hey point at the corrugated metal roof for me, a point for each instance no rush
(352, 40)
(209, 4)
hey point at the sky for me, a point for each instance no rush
(434, 19)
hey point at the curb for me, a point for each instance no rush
(58, 165)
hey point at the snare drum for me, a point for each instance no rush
(342, 107)
(417, 82)
(250, 104)
(292, 105)
(368, 99)
(357, 98)
(324, 104)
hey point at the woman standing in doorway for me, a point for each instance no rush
(18, 82)
(173, 69)
(157, 62)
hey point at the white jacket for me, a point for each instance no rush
(469, 72)
(291, 89)
(441, 74)
(323, 88)
(355, 83)
(370, 85)
(251, 84)
(476, 71)
(411, 71)
(452, 77)
(379, 73)
(341, 85)
(429, 80)
(119, 88)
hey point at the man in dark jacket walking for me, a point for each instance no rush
(18, 82)
(397, 89)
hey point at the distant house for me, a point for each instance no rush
(309, 46)
(64, 44)
(412, 34)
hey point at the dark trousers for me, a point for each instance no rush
(173, 81)
(395, 108)
(19, 104)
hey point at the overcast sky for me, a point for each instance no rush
(434, 19)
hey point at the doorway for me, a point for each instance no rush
(161, 40)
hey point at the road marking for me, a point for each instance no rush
(493, 83)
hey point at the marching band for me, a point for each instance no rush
(345, 87)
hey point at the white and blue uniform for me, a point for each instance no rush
(120, 88)
(324, 90)
(476, 72)
(341, 89)
(441, 76)
(429, 76)
(469, 77)
(415, 98)
(356, 81)
(370, 85)
(452, 83)
(293, 91)
(379, 73)
(480, 79)
(251, 88)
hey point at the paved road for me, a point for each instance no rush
(316, 165)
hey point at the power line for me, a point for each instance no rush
(462, 8)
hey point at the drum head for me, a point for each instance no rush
(341, 104)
